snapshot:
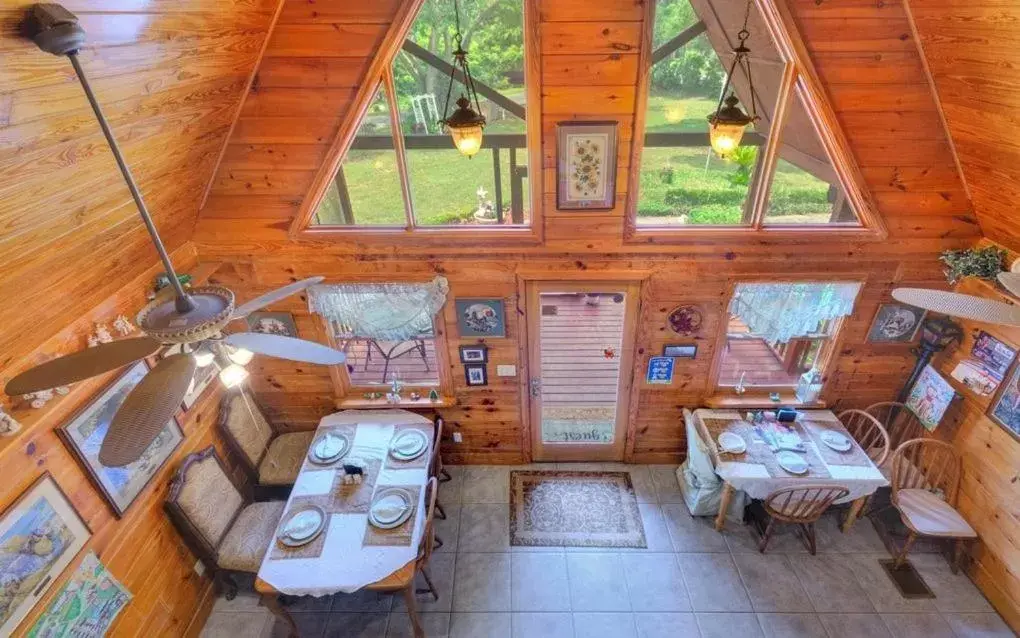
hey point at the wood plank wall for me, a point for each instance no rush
(971, 48)
(142, 549)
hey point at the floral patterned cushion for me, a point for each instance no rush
(248, 539)
(209, 499)
(283, 461)
(246, 424)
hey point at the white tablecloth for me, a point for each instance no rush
(754, 479)
(345, 565)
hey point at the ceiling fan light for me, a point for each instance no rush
(204, 357)
(233, 375)
(241, 356)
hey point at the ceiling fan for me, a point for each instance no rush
(967, 306)
(192, 319)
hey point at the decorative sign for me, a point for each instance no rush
(586, 165)
(660, 370)
(895, 323)
(930, 397)
(685, 320)
(86, 606)
(1006, 409)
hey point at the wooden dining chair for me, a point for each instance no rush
(436, 463)
(869, 433)
(925, 483)
(900, 423)
(402, 580)
(440, 470)
(802, 506)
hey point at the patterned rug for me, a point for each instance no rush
(574, 509)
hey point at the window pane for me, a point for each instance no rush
(806, 189)
(372, 362)
(447, 188)
(366, 190)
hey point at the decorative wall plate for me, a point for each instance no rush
(685, 320)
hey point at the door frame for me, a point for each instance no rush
(532, 286)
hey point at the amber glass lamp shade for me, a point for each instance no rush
(727, 127)
(465, 127)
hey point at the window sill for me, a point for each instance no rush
(786, 400)
(359, 403)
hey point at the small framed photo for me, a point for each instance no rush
(474, 354)
(680, 350)
(895, 323)
(481, 317)
(272, 323)
(475, 374)
(586, 165)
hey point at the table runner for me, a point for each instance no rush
(758, 452)
(854, 456)
(344, 562)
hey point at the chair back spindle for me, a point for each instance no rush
(927, 464)
(869, 434)
(899, 421)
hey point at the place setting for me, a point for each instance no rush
(391, 516)
(329, 448)
(301, 532)
(408, 448)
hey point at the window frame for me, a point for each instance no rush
(799, 77)
(380, 74)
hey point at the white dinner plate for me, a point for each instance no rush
(792, 462)
(328, 448)
(303, 526)
(732, 443)
(836, 441)
(391, 508)
(410, 444)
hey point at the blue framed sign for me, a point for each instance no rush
(660, 370)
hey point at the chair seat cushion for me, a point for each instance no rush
(927, 514)
(283, 459)
(249, 537)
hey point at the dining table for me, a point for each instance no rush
(349, 553)
(758, 472)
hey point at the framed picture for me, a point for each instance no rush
(660, 370)
(586, 165)
(475, 374)
(680, 350)
(84, 435)
(930, 397)
(1005, 410)
(895, 323)
(272, 323)
(481, 317)
(40, 534)
(995, 355)
(474, 354)
(203, 377)
(86, 606)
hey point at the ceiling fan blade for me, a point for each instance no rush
(1011, 280)
(286, 348)
(146, 410)
(82, 365)
(958, 305)
(273, 296)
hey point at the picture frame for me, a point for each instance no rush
(680, 350)
(86, 605)
(586, 165)
(995, 355)
(273, 323)
(930, 397)
(44, 517)
(895, 323)
(1005, 409)
(481, 317)
(660, 370)
(477, 353)
(476, 375)
(83, 435)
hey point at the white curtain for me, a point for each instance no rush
(784, 311)
(386, 311)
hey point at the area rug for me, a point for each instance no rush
(574, 509)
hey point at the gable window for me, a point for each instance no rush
(778, 331)
(402, 171)
(782, 175)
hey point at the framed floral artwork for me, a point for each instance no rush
(586, 165)
(930, 397)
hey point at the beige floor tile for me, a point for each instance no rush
(953, 592)
(862, 537)
(362, 601)
(243, 601)
(667, 489)
(542, 625)
(441, 569)
(854, 626)
(771, 583)
(228, 624)
(480, 625)
(830, 583)
(538, 582)
(485, 484)
(451, 491)
(729, 625)
(977, 625)
(356, 625)
(482, 582)
(311, 625)
(484, 528)
(436, 625)
(692, 533)
(644, 487)
(744, 539)
(655, 583)
(448, 529)
(656, 533)
(880, 590)
(597, 582)
(666, 625)
(713, 583)
(791, 626)
(604, 625)
(917, 626)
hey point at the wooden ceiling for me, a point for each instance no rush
(972, 49)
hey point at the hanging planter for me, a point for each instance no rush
(984, 263)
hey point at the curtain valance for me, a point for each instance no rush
(784, 311)
(385, 311)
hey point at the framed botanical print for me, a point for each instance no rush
(84, 435)
(40, 534)
(586, 165)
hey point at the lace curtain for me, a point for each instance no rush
(388, 311)
(784, 311)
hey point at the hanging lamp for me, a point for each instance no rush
(465, 124)
(728, 122)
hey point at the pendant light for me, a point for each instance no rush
(728, 122)
(464, 124)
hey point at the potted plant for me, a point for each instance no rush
(985, 263)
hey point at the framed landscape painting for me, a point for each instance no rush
(84, 435)
(39, 536)
(86, 606)
(586, 165)
(1006, 409)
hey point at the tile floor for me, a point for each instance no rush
(690, 582)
